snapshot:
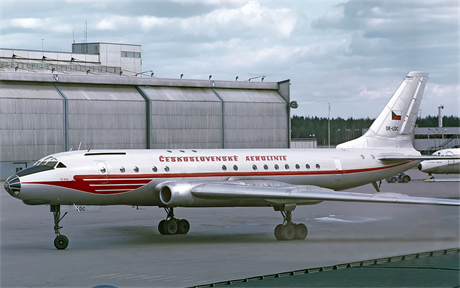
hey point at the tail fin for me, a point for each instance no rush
(394, 125)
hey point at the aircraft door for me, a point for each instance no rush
(449, 153)
(103, 173)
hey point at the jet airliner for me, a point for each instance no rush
(436, 166)
(277, 178)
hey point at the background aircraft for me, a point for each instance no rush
(440, 166)
(277, 178)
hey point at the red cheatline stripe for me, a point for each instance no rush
(114, 184)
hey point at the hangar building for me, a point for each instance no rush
(45, 113)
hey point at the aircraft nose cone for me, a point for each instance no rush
(13, 185)
(419, 166)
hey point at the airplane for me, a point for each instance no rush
(441, 166)
(437, 166)
(277, 178)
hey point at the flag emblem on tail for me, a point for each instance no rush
(395, 115)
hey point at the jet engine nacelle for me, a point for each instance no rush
(177, 194)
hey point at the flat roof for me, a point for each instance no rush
(136, 81)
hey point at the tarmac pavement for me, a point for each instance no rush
(121, 245)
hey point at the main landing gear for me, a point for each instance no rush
(171, 225)
(60, 242)
(289, 230)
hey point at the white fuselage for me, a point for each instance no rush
(132, 177)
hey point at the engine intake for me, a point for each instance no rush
(176, 194)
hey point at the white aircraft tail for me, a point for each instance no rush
(394, 126)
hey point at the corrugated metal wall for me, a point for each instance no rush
(31, 121)
(105, 117)
(185, 117)
(254, 118)
(184, 114)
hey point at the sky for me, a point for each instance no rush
(351, 54)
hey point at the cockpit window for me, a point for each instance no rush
(49, 161)
(61, 165)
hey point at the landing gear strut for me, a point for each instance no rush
(60, 242)
(289, 230)
(171, 225)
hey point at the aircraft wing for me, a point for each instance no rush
(284, 193)
(400, 157)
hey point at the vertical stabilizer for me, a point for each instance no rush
(394, 125)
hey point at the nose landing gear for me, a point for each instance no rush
(60, 242)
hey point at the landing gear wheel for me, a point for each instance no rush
(61, 242)
(171, 227)
(183, 226)
(301, 231)
(278, 232)
(287, 232)
(161, 227)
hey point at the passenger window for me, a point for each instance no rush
(286, 167)
(154, 169)
(122, 169)
(224, 167)
(235, 167)
(266, 167)
(136, 169)
(297, 166)
(317, 166)
(307, 166)
(277, 167)
(254, 167)
(166, 169)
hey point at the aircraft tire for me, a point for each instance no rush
(61, 242)
(161, 227)
(278, 232)
(287, 232)
(171, 227)
(301, 231)
(183, 226)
